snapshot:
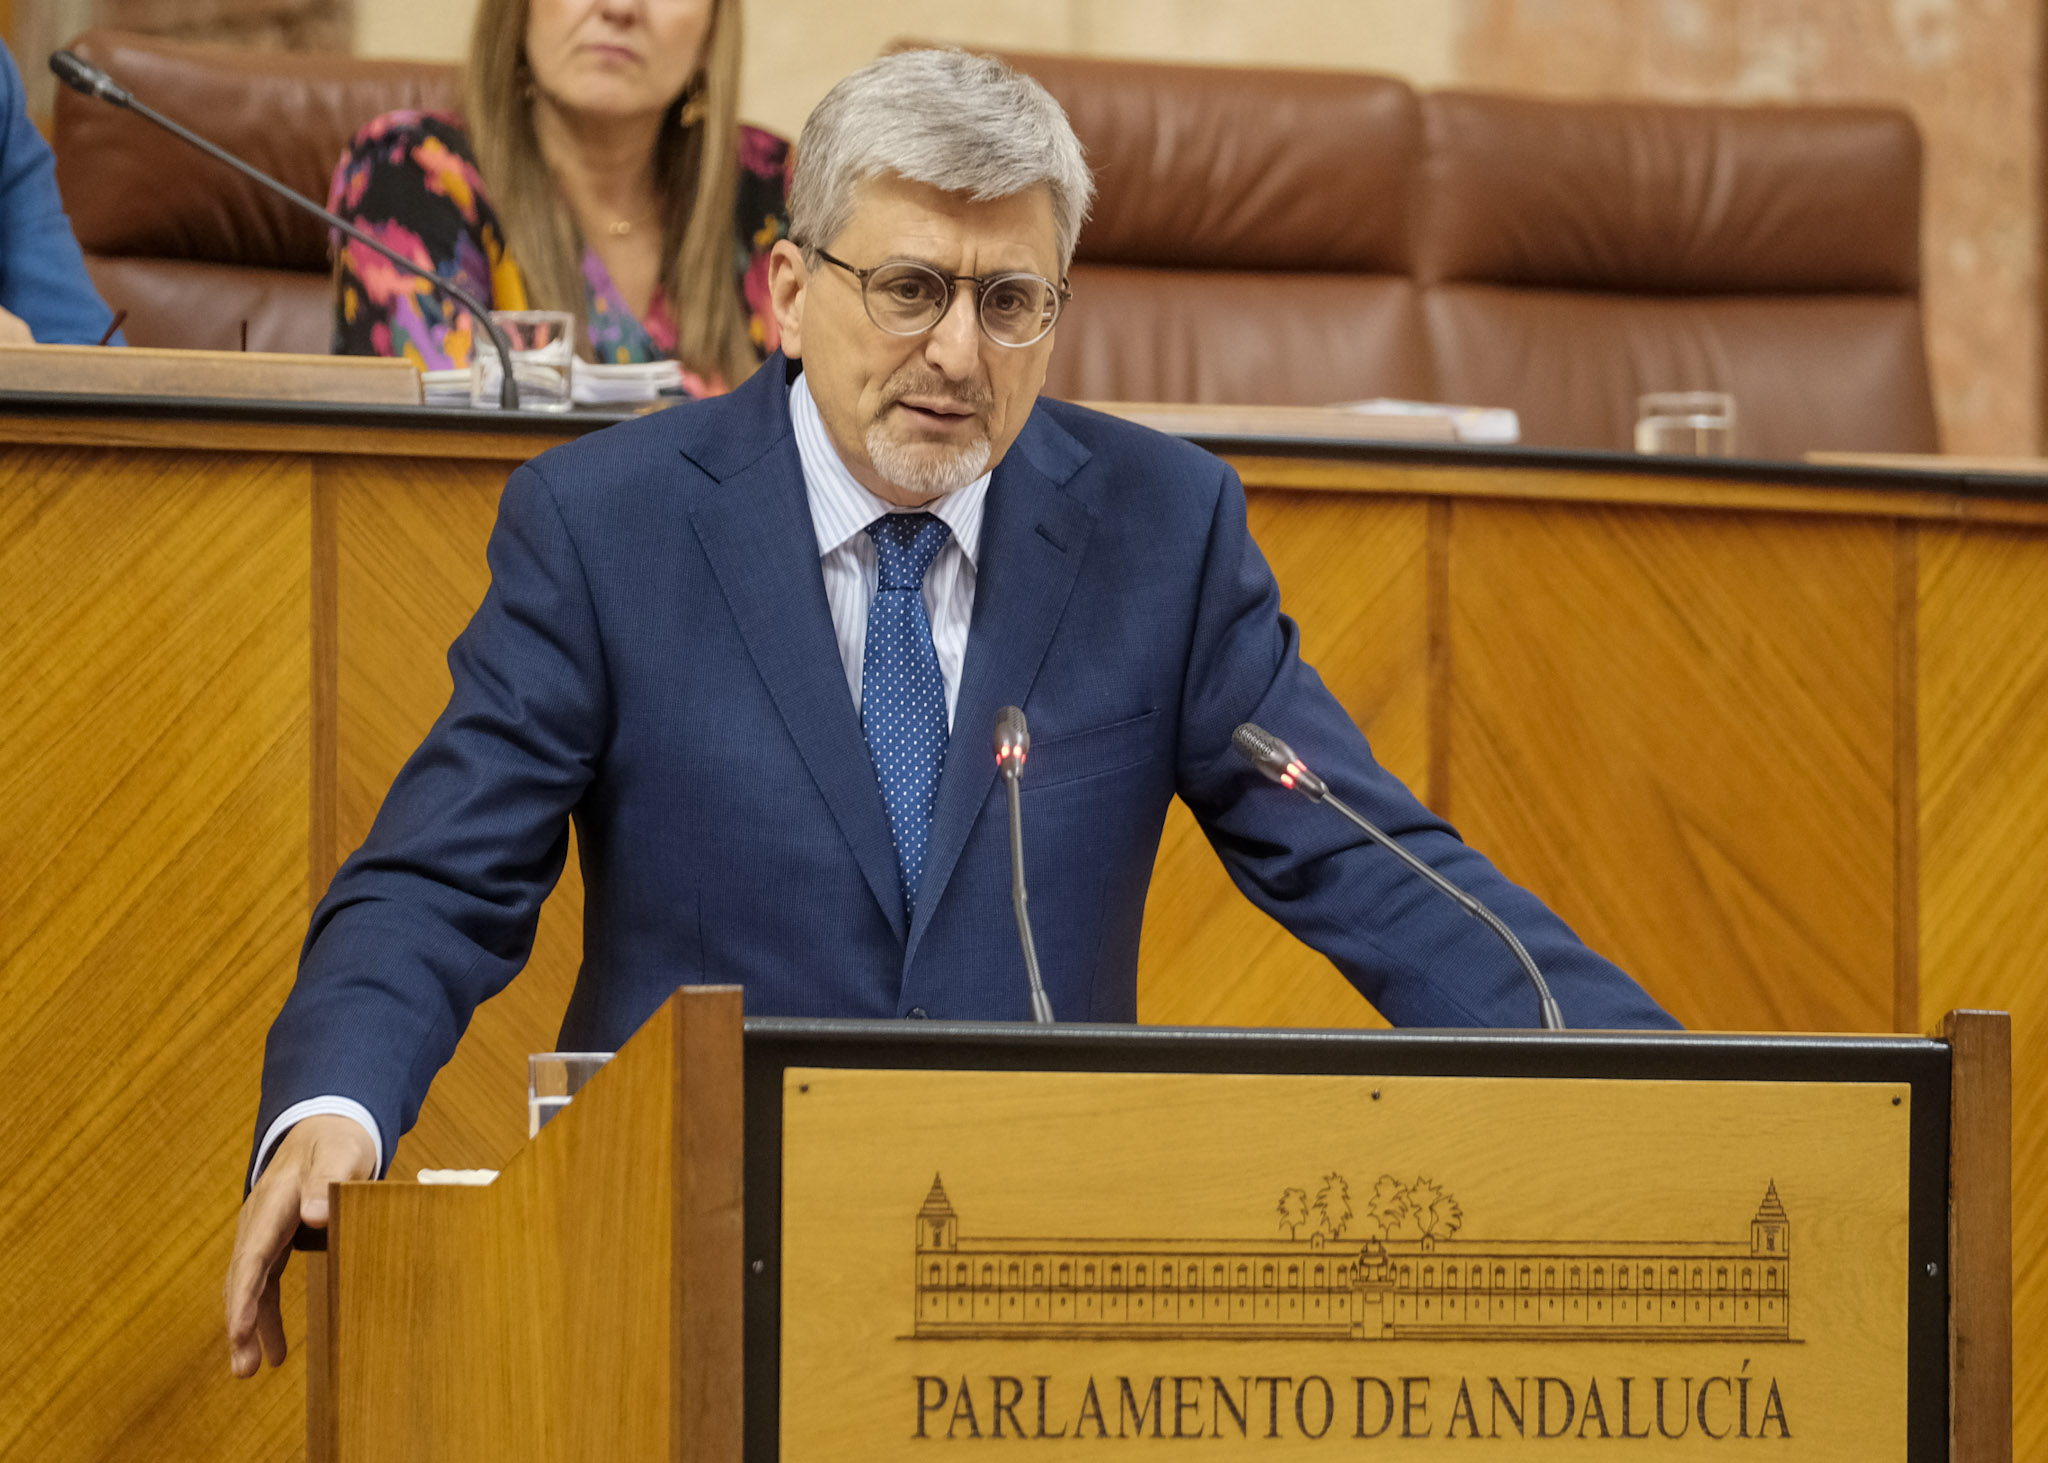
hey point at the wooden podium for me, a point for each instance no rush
(610, 1296)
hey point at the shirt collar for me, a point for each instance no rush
(841, 508)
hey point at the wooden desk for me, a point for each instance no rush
(1774, 737)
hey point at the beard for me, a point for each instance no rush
(926, 469)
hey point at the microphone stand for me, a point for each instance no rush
(81, 76)
(1276, 760)
(1013, 743)
(1041, 1008)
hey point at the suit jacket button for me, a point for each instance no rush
(916, 1013)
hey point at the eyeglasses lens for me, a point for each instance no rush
(906, 298)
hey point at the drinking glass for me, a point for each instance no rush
(543, 346)
(553, 1079)
(1686, 424)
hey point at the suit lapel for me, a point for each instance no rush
(1033, 537)
(757, 534)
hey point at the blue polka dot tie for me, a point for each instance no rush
(902, 695)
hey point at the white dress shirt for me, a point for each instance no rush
(841, 510)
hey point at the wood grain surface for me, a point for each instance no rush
(1642, 1168)
(1983, 712)
(1671, 705)
(1980, 1237)
(586, 1305)
(153, 824)
(218, 375)
(1678, 729)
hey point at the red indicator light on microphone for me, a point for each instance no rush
(1287, 778)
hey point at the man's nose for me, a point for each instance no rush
(953, 346)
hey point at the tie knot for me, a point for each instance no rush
(905, 545)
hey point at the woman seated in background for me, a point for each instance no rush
(602, 170)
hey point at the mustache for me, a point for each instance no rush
(970, 394)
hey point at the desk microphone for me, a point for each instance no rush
(1277, 761)
(82, 76)
(1013, 742)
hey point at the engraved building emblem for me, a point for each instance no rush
(1397, 1267)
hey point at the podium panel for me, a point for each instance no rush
(804, 1240)
(1289, 1242)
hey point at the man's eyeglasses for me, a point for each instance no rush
(905, 297)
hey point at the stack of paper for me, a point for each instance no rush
(594, 385)
(1471, 423)
(589, 385)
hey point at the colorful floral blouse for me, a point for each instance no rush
(410, 180)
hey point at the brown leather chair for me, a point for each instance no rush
(1290, 236)
(1572, 256)
(1250, 241)
(188, 247)
(1260, 236)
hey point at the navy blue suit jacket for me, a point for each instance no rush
(655, 659)
(42, 271)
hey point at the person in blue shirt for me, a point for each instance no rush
(45, 293)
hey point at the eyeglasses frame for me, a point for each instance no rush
(982, 283)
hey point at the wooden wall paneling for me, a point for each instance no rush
(1906, 777)
(410, 570)
(1353, 574)
(1983, 663)
(153, 829)
(1678, 729)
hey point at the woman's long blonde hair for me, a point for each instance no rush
(697, 167)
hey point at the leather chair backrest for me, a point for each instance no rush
(1250, 236)
(1573, 256)
(186, 245)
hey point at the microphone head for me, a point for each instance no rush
(1013, 738)
(82, 76)
(1276, 760)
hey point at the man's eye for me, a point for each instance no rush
(1011, 299)
(910, 290)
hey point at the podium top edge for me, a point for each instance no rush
(799, 1027)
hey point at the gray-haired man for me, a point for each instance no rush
(754, 647)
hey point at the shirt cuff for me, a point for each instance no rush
(341, 1107)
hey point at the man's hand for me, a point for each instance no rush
(318, 1151)
(14, 330)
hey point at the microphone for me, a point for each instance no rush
(82, 76)
(1277, 761)
(1013, 743)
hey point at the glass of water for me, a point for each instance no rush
(553, 1079)
(1686, 424)
(543, 346)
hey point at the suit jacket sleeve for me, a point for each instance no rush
(1413, 954)
(436, 911)
(42, 271)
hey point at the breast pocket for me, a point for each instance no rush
(1095, 752)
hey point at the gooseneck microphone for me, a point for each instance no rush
(1277, 761)
(82, 76)
(1013, 743)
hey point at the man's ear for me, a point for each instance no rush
(788, 280)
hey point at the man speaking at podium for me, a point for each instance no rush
(755, 647)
